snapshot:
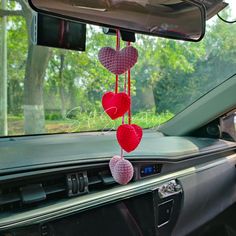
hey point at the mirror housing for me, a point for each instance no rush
(176, 19)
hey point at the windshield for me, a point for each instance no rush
(48, 90)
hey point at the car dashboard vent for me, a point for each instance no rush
(24, 194)
(19, 195)
(100, 180)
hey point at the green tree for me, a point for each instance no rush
(3, 72)
(163, 70)
(17, 56)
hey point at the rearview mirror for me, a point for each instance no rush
(177, 19)
(56, 32)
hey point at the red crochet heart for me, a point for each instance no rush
(129, 136)
(115, 105)
(118, 62)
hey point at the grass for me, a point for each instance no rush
(89, 122)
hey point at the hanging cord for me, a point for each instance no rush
(62, 33)
(117, 49)
(129, 92)
(123, 117)
(117, 82)
(226, 21)
(127, 83)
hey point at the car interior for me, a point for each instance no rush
(59, 182)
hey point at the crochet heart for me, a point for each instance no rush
(115, 105)
(118, 62)
(129, 136)
(123, 171)
(113, 162)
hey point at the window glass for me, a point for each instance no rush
(48, 90)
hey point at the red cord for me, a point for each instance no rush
(62, 33)
(129, 93)
(117, 83)
(117, 49)
(117, 40)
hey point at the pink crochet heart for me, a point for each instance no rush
(129, 136)
(123, 171)
(115, 105)
(118, 62)
(113, 162)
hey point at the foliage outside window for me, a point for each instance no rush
(53, 91)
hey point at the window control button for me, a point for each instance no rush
(164, 212)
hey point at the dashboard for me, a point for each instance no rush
(61, 185)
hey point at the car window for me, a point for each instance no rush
(50, 90)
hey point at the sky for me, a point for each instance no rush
(232, 6)
(232, 3)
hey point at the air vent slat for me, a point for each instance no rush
(9, 198)
(94, 180)
(54, 189)
(100, 179)
(108, 180)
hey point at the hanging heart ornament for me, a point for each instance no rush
(118, 62)
(118, 104)
(121, 170)
(115, 105)
(129, 136)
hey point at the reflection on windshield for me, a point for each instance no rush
(53, 91)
